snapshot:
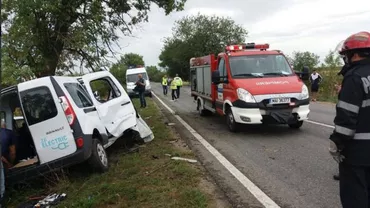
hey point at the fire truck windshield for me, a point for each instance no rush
(259, 65)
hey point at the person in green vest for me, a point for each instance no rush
(165, 84)
(178, 81)
(173, 86)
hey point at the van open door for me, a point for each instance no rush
(114, 106)
(46, 120)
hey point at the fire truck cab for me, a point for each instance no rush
(250, 85)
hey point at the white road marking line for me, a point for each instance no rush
(320, 124)
(252, 188)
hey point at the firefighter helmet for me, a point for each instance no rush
(358, 41)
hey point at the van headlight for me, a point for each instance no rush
(244, 95)
(304, 93)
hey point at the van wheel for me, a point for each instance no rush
(230, 121)
(150, 95)
(296, 125)
(201, 111)
(98, 159)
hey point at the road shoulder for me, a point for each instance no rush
(237, 195)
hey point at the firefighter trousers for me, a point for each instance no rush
(354, 185)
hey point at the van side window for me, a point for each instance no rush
(38, 105)
(78, 95)
(222, 69)
(104, 89)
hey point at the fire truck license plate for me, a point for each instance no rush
(279, 100)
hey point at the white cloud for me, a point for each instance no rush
(289, 25)
(214, 11)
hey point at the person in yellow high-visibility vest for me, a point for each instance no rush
(173, 86)
(179, 85)
(165, 84)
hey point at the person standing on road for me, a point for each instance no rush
(141, 89)
(178, 81)
(173, 86)
(350, 140)
(165, 84)
(315, 80)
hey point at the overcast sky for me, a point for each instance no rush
(289, 25)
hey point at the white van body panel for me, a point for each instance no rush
(53, 137)
(136, 71)
(89, 120)
(117, 114)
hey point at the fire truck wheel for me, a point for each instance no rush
(200, 109)
(296, 125)
(230, 120)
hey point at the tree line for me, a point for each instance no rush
(43, 38)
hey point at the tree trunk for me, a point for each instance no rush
(51, 63)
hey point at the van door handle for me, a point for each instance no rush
(88, 110)
(126, 103)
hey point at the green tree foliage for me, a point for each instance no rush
(301, 59)
(155, 74)
(11, 74)
(132, 59)
(195, 36)
(332, 60)
(119, 72)
(47, 36)
(119, 69)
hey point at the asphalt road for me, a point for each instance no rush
(293, 167)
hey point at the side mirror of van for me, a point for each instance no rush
(302, 75)
(216, 77)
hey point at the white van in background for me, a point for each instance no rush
(132, 77)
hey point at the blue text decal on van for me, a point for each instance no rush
(58, 143)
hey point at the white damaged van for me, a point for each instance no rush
(66, 124)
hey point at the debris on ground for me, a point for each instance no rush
(171, 124)
(168, 155)
(184, 159)
(44, 202)
(155, 157)
(134, 149)
(158, 168)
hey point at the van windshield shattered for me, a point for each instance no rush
(259, 66)
(134, 77)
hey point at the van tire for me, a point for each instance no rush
(296, 125)
(230, 121)
(98, 159)
(200, 109)
(150, 95)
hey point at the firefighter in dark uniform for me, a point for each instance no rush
(350, 141)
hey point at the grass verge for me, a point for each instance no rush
(146, 178)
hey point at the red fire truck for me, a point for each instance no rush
(250, 84)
